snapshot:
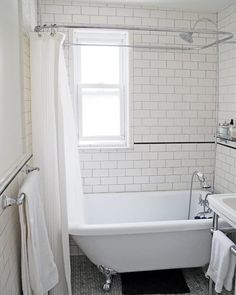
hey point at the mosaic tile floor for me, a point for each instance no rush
(87, 280)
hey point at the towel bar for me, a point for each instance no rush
(225, 230)
(7, 202)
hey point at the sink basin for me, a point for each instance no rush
(225, 206)
(231, 202)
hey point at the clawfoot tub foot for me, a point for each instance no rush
(108, 273)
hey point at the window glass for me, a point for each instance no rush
(99, 64)
(100, 112)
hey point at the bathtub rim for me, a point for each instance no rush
(90, 229)
(139, 227)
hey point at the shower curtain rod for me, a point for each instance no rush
(227, 35)
(181, 47)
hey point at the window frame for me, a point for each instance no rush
(102, 36)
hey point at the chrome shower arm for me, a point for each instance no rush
(203, 19)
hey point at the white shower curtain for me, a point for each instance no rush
(55, 147)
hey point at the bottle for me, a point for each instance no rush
(233, 135)
(231, 128)
(223, 130)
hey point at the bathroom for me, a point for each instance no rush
(132, 171)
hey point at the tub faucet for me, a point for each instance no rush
(201, 177)
(204, 202)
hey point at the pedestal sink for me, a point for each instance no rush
(224, 205)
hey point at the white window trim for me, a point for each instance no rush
(106, 37)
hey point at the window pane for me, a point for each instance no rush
(99, 64)
(101, 112)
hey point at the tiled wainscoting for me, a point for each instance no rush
(10, 247)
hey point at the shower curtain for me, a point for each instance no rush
(54, 146)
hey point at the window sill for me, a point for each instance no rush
(114, 145)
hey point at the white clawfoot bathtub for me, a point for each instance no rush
(128, 232)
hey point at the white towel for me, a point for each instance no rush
(39, 272)
(222, 262)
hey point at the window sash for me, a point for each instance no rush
(122, 109)
(122, 87)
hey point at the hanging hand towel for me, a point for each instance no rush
(39, 272)
(222, 262)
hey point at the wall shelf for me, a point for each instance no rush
(228, 142)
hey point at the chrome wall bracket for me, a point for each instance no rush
(108, 273)
(7, 201)
(29, 169)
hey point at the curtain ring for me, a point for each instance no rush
(53, 29)
(38, 30)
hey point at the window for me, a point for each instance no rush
(101, 82)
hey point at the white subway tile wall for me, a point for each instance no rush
(173, 100)
(227, 66)
(145, 167)
(226, 157)
(10, 246)
(225, 169)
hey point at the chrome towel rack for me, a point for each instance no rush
(7, 180)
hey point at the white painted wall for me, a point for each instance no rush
(11, 125)
(10, 279)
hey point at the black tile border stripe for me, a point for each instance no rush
(176, 142)
(228, 146)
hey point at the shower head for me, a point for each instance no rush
(200, 176)
(202, 179)
(188, 36)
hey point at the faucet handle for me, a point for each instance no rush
(200, 200)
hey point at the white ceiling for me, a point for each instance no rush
(194, 5)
